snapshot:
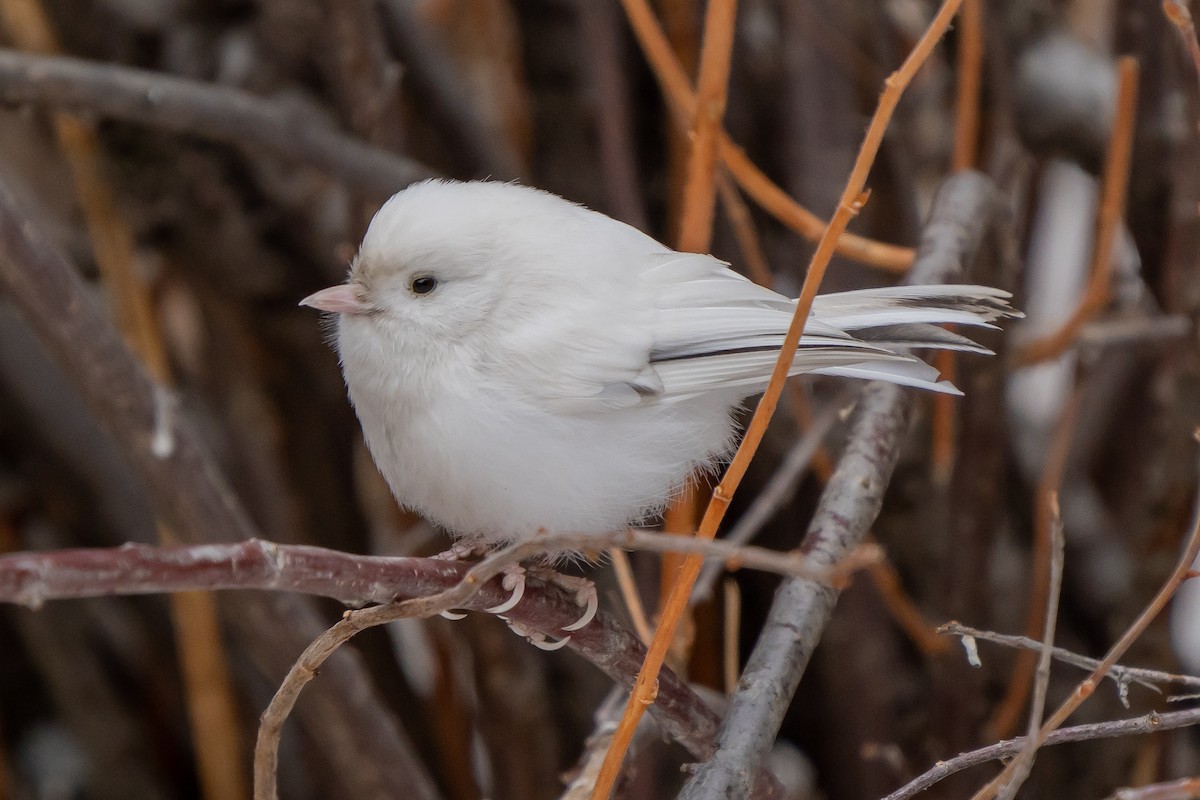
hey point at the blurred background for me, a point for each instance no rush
(216, 240)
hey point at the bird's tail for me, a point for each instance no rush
(903, 317)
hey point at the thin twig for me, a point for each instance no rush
(266, 749)
(1023, 764)
(678, 92)
(754, 260)
(1150, 723)
(732, 627)
(1182, 571)
(592, 757)
(969, 74)
(1112, 211)
(1120, 675)
(251, 123)
(630, 594)
(700, 191)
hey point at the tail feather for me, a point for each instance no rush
(707, 341)
(900, 305)
(918, 335)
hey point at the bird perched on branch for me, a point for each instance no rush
(520, 363)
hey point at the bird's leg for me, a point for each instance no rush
(459, 551)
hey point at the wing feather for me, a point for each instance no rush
(716, 329)
(688, 325)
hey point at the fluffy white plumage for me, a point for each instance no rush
(519, 362)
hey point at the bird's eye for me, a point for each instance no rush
(423, 284)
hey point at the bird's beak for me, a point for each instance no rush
(342, 299)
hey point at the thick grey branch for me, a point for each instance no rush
(964, 207)
(231, 116)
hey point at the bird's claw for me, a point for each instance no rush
(537, 638)
(514, 581)
(585, 595)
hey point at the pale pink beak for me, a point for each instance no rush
(342, 299)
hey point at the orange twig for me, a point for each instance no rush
(629, 592)
(852, 199)
(699, 203)
(1112, 209)
(753, 257)
(678, 93)
(970, 73)
(732, 619)
(966, 149)
(1085, 689)
(700, 191)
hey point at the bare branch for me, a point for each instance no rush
(1023, 764)
(30, 579)
(1151, 723)
(1121, 675)
(253, 124)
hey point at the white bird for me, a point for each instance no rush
(520, 363)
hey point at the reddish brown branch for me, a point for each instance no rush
(33, 578)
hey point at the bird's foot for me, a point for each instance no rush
(585, 595)
(514, 581)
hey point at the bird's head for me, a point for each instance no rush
(441, 258)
